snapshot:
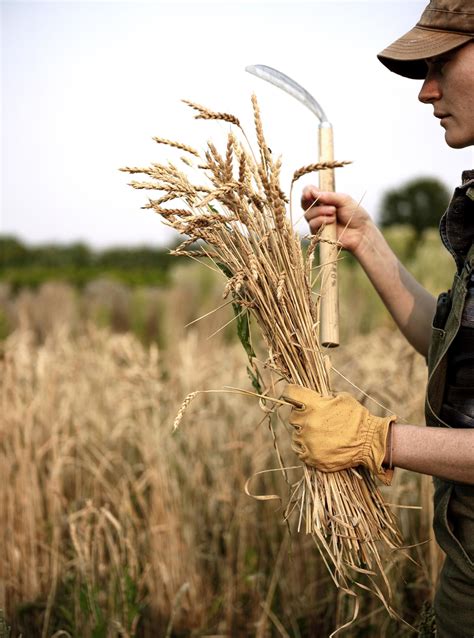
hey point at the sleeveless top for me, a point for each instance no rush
(457, 234)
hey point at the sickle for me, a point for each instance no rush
(329, 308)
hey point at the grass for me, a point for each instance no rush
(86, 449)
(115, 527)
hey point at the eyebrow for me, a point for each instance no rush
(442, 57)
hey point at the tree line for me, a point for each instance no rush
(23, 265)
(418, 204)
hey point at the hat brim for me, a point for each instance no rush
(406, 56)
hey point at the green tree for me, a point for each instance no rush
(12, 252)
(419, 203)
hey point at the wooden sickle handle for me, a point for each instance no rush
(328, 251)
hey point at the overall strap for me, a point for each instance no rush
(468, 267)
(446, 324)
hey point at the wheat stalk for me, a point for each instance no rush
(183, 408)
(243, 217)
(206, 114)
(179, 145)
(319, 166)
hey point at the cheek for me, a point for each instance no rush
(467, 113)
(458, 98)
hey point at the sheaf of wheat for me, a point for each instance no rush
(238, 214)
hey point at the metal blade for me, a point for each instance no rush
(282, 81)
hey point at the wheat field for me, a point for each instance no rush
(114, 526)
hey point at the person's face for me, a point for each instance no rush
(449, 87)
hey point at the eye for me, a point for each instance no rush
(437, 64)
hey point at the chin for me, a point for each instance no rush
(458, 141)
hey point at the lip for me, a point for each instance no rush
(442, 117)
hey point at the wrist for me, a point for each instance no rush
(369, 236)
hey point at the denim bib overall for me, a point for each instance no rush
(453, 502)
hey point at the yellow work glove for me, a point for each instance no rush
(336, 432)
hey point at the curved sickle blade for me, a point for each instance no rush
(282, 81)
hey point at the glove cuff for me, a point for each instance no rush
(374, 447)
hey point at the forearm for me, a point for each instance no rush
(447, 453)
(411, 306)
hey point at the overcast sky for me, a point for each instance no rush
(85, 86)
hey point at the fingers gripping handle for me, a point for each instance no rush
(329, 307)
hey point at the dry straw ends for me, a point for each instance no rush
(239, 212)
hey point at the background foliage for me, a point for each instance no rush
(419, 203)
(77, 264)
(129, 289)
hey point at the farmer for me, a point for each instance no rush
(440, 51)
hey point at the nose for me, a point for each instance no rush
(431, 89)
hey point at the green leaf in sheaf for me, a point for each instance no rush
(242, 316)
(255, 378)
(227, 225)
(225, 269)
(243, 329)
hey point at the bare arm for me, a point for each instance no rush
(411, 306)
(447, 453)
